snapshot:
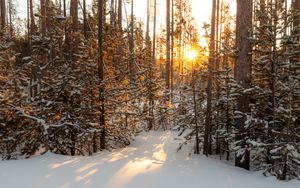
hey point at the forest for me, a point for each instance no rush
(81, 80)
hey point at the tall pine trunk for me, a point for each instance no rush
(168, 46)
(3, 14)
(207, 150)
(84, 20)
(153, 64)
(243, 71)
(32, 22)
(101, 74)
(120, 14)
(131, 42)
(74, 14)
(172, 49)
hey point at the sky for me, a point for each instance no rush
(201, 9)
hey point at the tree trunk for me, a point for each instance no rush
(43, 19)
(101, 74)
(197, 147)
(10, 16)
(208, 127)
(154, 36)
(74, 14)
(148, 24)
(172, 50)
(149, 62)
(120, 14)
(243, 69)
(84, 20)
(217, 63)
(112, 12)
(153, 60)
(65, 15)
(180, 42)
(297, 14)
(131, 41)
(296, 22)
(168, 46)
(3, 14)
(120, 33)
(32, 22)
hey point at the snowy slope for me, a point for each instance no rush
(150, 162)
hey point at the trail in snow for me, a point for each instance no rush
(150, 162)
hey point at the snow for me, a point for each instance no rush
(151, 161)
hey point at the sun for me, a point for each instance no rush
(191, 55)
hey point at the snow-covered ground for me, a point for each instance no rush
(150, 162)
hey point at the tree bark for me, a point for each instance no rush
(74, 14)
(172, 50)
(154, 35)
(148, 24)
(217, 63)
(243, 69)
(3, 14)
(208, 119)
(43, 19)
(10, 16)
(32, 22)
(131, 41)
(120, 14)
(84, 20)
(101, 75)
(297, 13)
(168, 46)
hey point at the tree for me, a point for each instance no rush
(101, 74)
(85, 24)
(208, 120)
(3, 13)
(131, 41)
(243, 70)
(168, 47)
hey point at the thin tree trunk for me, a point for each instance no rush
(120, 33)
(131, 41)
(153, 62)
(154, 34)
(149, 62)
(112, 13)
(10, 17)
(44, 62)
(65, 15)
(43, 19)
(28, 26)
(148, 24)
(32, 22)
(3, 14)
(84, 20)
(120, 14)
(180, 41)
(197, 147)
(296, 22)
(208, 119)
(168, 46)
(101, 74)
(217, 69)
(172, 50)
(74, 14)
